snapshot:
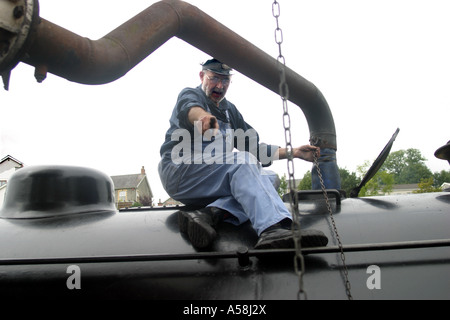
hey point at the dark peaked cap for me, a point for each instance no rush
(216, 66)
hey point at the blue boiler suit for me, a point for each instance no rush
(207, 171)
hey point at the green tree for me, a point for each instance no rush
(382, 181)
(136, 204)
(348, 180)
(407, 166)
(283, 188)
(385, 181)
(146, 201)
(440, 177)
(306, 182)
(426, 185)
(395, 163)
(400, 167)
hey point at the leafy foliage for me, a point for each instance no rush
(426, 185)
(306, 182)
(382, 181)
(401, 167)
(145, 201)
(407, 166)
(348, 180)
(283, 188)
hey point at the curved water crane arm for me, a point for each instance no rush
(53, 49)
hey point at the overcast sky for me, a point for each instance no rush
(380, 64)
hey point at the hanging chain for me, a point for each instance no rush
(299, 261)
(338, 238)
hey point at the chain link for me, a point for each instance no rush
(338, 238)
(299, 261)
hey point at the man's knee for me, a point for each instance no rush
(273, 177)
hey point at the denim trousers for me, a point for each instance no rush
(238, 185)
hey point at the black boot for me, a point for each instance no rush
(200, 225)
(280, 236)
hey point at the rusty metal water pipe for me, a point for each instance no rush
(51, 48)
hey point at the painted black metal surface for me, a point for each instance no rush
(145, 256)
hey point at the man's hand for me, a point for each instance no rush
(202, 119)
(306, 152)
(208, 121)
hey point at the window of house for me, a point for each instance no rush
(2, 182)
(123, 195)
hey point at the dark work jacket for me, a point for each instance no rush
(226, 113)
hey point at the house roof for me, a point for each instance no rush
(133, 181)
(9, 164)
(127, 181)
(8, 157)
(410, 186)
(170, 202)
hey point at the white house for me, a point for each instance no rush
(132, 188)
(8, 165)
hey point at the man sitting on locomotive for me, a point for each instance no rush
(199, 167)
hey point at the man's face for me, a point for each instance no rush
(214, 85)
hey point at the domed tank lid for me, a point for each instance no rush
(48, 191)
